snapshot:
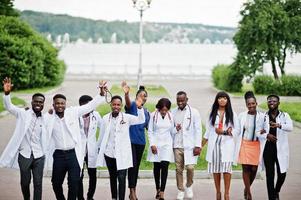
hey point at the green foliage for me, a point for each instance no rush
(292, 108)
(267, 30)
(25, 56)
(86, 28)
(227, 77)
(6, 8)
(289, 85)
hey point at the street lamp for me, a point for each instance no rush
(140, 5)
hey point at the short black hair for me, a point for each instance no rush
(274, 95)
(38, 95)
(141, 89)
(116, 97)
(163, 102)
(84, 99)
(181, 93)
(57, 96)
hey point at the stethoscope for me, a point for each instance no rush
(189, 118)
(155, 118)
(122, 118)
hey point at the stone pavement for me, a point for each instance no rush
(201, 96)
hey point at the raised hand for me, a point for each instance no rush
(125, 87)
(103, 87)
(7, 85)
(139, 102)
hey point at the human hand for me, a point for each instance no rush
(229, 131)
(271, 138)
(219, 131)
(178, 127)
(103, 87)
(125, 87)
(154, 149)
(197, 151)
(7, 85)
(274, 125)
(139, 102)
(262, 131)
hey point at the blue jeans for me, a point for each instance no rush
(63, 162)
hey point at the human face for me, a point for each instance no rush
(143, 96)
(116, 106)
(182, 101)
(37, 104)
(222, 101)
(251, 105)
(163, 111)
(59, 105)
(273, 103)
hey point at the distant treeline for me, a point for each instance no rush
(78, 27)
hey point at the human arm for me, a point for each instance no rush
(126, 90)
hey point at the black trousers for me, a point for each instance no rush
(270, 159)
(161, 170)
(34, 166)
(92, 182)
(114, 175)
(137, 152)
(63, 162)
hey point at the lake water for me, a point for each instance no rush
(162, 59)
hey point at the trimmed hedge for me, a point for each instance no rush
(28, 58)
(289, 85)
(227, 77)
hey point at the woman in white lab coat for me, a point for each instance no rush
(248, 151)
(160, 150)
(220, 135)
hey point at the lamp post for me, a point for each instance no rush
(140, 5)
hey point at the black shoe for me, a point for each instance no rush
(158, 195)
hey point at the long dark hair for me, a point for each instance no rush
(228, 109)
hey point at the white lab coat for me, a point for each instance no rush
(9, 157)
(282, 138)
(242, 117)
(192, 134)
(227, 142)
(160, 135)
(123, 148)
(91, 142)
(71, 116)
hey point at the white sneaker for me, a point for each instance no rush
(180, 195)
(189, 192)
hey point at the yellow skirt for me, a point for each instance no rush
(249, 152)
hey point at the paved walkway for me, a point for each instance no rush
(201, 96)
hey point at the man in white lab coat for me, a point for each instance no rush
(65, 140)
(90, 143)
(186, 143)
(27, 146)
(276, 151)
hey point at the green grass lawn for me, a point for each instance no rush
(15, 101)
(292, 108)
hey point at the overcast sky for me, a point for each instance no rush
(210, 12)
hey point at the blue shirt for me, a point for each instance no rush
(137, 134)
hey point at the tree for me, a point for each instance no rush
(6, 8)
(268, 30)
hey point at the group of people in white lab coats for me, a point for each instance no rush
(65, 140)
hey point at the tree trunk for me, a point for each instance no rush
(283, 61)
(274, 68)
